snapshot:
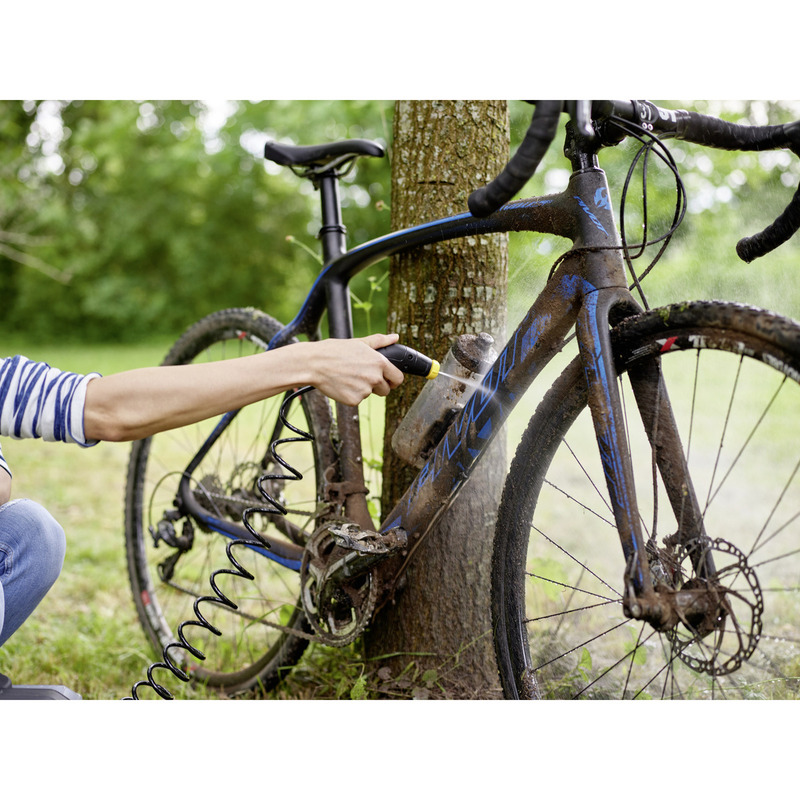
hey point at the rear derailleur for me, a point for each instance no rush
(165, 532)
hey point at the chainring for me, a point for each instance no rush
(338, 608)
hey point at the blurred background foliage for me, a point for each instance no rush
(121, 220)
(126, 220)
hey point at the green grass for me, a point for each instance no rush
(85, 634)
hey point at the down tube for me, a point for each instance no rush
(536, 340)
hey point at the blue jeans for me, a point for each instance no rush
(32, 547)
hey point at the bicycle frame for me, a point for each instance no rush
(587, 288)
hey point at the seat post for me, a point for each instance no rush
(332, 234)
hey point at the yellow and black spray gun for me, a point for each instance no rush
(411, 361)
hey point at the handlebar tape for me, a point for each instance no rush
(714, 132)
(523, 163)
(774, 235)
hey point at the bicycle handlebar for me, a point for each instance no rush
(523, 163)
(714, 132)
(687, 125)
(729, 136)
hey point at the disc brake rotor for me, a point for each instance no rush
(722, 627)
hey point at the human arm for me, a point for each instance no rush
(138, 403)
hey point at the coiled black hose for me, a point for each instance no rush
(169, 661)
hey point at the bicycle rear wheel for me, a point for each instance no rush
(170, 565)
(731, 373)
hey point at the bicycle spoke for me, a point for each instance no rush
(570, 556)
(724, 431)
(576, 610)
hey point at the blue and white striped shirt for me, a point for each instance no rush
(38, 401)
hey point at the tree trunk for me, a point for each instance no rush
(442, 151)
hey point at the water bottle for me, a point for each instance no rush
(428, 419)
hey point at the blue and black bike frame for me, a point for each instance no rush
(587, 289)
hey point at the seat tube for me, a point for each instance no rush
(340, 326)
(609, 424)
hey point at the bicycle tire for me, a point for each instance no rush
(557, 572)
(249, 655)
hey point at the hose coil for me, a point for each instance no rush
(170, 662)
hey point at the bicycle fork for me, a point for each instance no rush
(645, 597)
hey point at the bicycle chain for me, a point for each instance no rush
(218, 502)
(277, 626)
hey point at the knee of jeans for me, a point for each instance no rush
(43, 532)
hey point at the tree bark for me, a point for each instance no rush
(442, 151)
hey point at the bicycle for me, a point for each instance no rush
(696, 602)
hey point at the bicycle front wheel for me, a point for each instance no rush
(731, 375)
(172, 558)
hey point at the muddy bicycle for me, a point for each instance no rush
(648, 537)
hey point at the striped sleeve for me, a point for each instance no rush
(38, 401)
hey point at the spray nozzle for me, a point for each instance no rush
(410, 361)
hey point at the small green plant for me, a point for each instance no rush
(366, 305)
(304, 247)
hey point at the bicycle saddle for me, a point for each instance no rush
(319, 157)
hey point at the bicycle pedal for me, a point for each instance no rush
(351, 537)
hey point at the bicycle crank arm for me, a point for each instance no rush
(356, 552)
(365, 548)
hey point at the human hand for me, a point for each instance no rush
(349, 370)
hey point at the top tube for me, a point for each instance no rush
(557, 214)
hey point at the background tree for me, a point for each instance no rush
(122, 220)
(441, 148)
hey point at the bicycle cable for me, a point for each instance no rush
(219, 598)
(650, 144)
